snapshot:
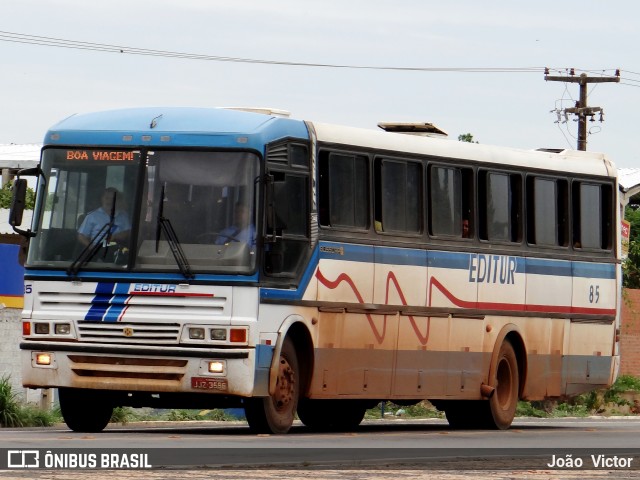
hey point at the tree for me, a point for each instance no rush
(631, 266)
(466, 137)
(6, 194)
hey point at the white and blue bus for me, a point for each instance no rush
(218, 258)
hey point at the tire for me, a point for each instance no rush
(498, 412)
(84, 410)
(502, 404)
(275, 414)
(331, 415)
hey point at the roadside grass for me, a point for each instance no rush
(616, 400)
(622, 398)
(15, 414)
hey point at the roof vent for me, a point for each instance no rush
(551, 150)
(265, 111)
(422, 129)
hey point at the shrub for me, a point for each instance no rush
(9, 406)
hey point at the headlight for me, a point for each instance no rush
(42, 328)
(196, 333)
(219, 334)
(62, 328)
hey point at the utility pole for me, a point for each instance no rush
(581, 110)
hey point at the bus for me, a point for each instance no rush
(364, 266)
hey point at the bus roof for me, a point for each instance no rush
(253, 128)
(589, 163)
(175, 126)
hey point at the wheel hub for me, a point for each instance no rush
(285, 386)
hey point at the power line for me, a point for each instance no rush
(13, 37)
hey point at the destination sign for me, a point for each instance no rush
(101, 155)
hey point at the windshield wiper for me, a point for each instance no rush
(163, 225)
(99, 239)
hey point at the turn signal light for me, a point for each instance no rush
(238, 335)
(26, 328)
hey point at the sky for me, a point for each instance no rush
(41, 85)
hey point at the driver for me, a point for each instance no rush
(241, 230)
(98, 218)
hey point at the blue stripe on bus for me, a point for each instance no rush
(132, 277)
(437, 259)
(450, 260)
(100, 302)
(122, 289)
(556, 268)
(401, 256)
(594, 270)
(113, 313)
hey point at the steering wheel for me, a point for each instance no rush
(207, 237)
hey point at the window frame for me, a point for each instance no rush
(324, 190)
(377, 204)
(516, 207)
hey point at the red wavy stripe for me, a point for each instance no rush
(434, 282)
(343, 277)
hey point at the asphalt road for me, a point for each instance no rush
(532, 448)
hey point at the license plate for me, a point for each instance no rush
(201, 383)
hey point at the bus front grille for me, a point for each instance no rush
(129, 333)
(130, 368)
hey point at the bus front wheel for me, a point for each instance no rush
(274, 414)
(87, 411)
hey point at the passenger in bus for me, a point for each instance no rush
(465, 229)
(98, 218)
(241, 230)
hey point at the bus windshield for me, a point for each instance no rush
(119, 209)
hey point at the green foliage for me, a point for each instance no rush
(13, 414)
(466, 137)
(198, 415)
(529, 409)
(9, 406)
(570, 410)
(632, 215)
(121, 415)
(6, 194)
(36, 417)
(631, 266)
(422, 409)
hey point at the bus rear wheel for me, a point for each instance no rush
(502, 404)
(87, 411)
(275, 414)
(498, 412)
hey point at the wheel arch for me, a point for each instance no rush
(294, 328)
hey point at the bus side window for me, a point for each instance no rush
(500, 210)
(343, 190)
(547, 211)
(592, 217)
(398, 196)
(450, 201)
